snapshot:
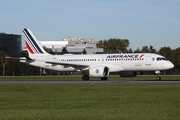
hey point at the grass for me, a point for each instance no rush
(91, 102)
(79, 77)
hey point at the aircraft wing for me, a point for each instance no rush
(75, 65)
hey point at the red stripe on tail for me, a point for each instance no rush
(29, 48)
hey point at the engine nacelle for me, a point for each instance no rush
(127, 74)
(99, 71)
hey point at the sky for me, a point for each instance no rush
(142, 22)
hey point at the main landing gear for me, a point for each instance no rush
(158, 75)
(86, 78)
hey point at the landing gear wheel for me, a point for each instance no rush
(158, 78)
(104, 78)
(85, 77)
(158, 75)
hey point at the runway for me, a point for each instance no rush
(91, 82)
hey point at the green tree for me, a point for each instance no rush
(166, 52)
(130, 50)
(13, 65)
(145, 49)
(114, 45)
(152, 50)
(84, 51)
(175, 58)
(4, 61)
(64, 51)
(137, 50)
(103, 44)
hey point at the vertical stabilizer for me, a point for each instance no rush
(32, 44)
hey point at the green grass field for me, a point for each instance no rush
(89, 102)
(79, 77)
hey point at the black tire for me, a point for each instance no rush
(85, 77)
(104, 78)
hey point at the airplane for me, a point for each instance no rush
(93, 65)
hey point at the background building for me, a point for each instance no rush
(10, 43)
(73, 45)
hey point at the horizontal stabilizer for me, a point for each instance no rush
(27, 57)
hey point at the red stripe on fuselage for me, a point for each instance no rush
(29, 48)
(141, 56)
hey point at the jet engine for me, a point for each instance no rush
(127, 74)
(99, 71)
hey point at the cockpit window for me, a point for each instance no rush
(161, 58)
(165, 59)
(158, 59)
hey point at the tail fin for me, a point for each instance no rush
(32, 44)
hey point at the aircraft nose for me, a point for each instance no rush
(170, 65)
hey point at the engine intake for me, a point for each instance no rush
(99, 71)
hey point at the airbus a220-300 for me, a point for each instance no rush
(94, 65)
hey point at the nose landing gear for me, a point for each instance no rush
(158, 75)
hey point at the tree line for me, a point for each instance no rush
(12, 67)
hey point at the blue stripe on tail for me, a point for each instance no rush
(30, 42)
(34, 42)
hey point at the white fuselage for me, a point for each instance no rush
(115, 62)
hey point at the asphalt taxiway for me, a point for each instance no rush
(90, 82)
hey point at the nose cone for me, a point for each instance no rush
(169, 65)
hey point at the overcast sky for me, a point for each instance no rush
(143, 22)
